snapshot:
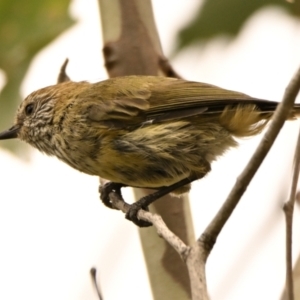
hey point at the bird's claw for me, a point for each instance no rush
(131, 215)
(106, 189)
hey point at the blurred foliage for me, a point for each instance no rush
(226, 17)
(25, 28)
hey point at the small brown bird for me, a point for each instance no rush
(140, 131)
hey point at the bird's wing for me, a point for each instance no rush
(141, 99)
(180, 95)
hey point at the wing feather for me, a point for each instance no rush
(143, 99)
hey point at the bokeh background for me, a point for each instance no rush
(53, 228)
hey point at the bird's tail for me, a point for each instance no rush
(250, 119)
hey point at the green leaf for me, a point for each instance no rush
(226, 17)
(25, 28)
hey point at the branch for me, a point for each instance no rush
(162, 229)
(93, 273)
(288, 209)
(63, 76)
(194, 256)
(212, 231)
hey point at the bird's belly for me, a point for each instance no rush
(151, 156)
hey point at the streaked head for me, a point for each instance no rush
(34, 115)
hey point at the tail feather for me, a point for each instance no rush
(251, 119)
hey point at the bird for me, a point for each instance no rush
(140, 131)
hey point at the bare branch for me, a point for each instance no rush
(62, 76)
(162, 229)
(288, 209)
(196, 262)
(93, 273)
(194, 257)
(211, 233)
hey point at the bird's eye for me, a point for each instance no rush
(29, 109)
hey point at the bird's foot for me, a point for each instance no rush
(106, 189)
(132, 213)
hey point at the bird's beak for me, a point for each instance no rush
(11, 133)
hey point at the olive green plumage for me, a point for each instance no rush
(140, 131)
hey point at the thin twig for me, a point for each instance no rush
(162, 229)
(288, 209)
(212, 231)
(63, 76)
(93, 273)
(194, 256)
